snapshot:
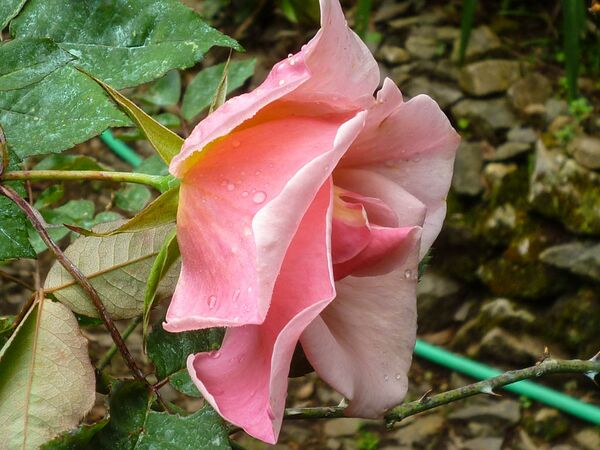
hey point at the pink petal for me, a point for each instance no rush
(239, 209)
(362, 343)
(246, 380)
(342, 70)
(413, 144)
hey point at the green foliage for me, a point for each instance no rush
(183, 383)
(169, 351)
(6, 326)
(367, 441)
(132, 198)
(168, 255)
(362, 17)
(165, 91)
(466, 26)
(201, 90)
(300, 11)
(8, 10)
(68, 162)
(573, 20)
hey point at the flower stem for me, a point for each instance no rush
(482, 387)
(158, 182)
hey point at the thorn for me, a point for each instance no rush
(595, 7)
(343, 402)
(425, 396)
(487, 389)
(3, 153)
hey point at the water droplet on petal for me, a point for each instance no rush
(215, 354)
(408, 274)
(386, 378)
(212, 302)
(230, 187)
(235, 143)
(236, 295)
(249, 289)
(245, 194)
(398, 376)
(290, 55)
(257, 172)
(259, 197)
(248, 232)
(281, 82)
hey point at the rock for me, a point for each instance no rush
(547, 423)
(505, 312)
(581, 258)
(437, 301)
(447, 34)
(486, 116)
(422, 45)
(406, 22)
(482, 41)
(586, 151)
(483, 443)
(575, 320)
(391, 9)
(467, 169)
(342, 427)
(394, 55)
(588, 439)
(555, 107)
(501, 414)
(501, 345)
(443, 93)
(562, 189)
(509, 150)
(491, 76)
(525, 135)
(425, 432)
(533, 89)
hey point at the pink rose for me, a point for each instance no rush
(305, 208)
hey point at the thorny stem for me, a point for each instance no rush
(482, 387)
(108, 356)
(158, 182)
(38, 223)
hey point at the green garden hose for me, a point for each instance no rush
(479, 371)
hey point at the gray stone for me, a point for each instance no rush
(391, 9)
(534, 89)
(548, 424)
(586, 151)
(443, 93)
(437, 301)
(406, 22)
(502, 414)
(483, 443)
(482, 41)
(422, 46)
(437, 286)
(342, 427)
(502, 310)
(447, 34)
(394, 55)
(562, 189)
(589, 439)
(425, 432)
(502, 345)
(555, 107)
(509, 150)
(518, 134)
(467, 169)
(487, 116)
(581, 258)
(491, 76)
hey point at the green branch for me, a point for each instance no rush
(161, 183)
(405, 410)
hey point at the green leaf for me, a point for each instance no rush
(78, 439)
(165, 91)
(201, 90)
(221, 91)
(133, 425)
(8, 10)
(117, 266)
(168, 255)
(6, 324)
(46, 378)
(153, 166)
(63, 109)
(132, 198)
(69, 162)
(49, 196)
(161, 211)
(14, 239)
(166, 143)
(182, 382)
(169, 351)
(123, 42)
(27, 61)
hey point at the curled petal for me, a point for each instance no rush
(239, 210)
(362, 343)
(255, 360)
(413, 144)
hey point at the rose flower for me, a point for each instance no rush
(305, 208)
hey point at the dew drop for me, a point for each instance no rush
(259, 197)
(212, 302)
(223, 183)
(235, 143)
(290, 56)
(245, 194)
(230, 187)
(398, 376)
(386, 378)
(236, 295)
(248, 232)
(293, 62)
(408, 274)
(215, 354)
(249, 289)
(257, 172)
(281, 82)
